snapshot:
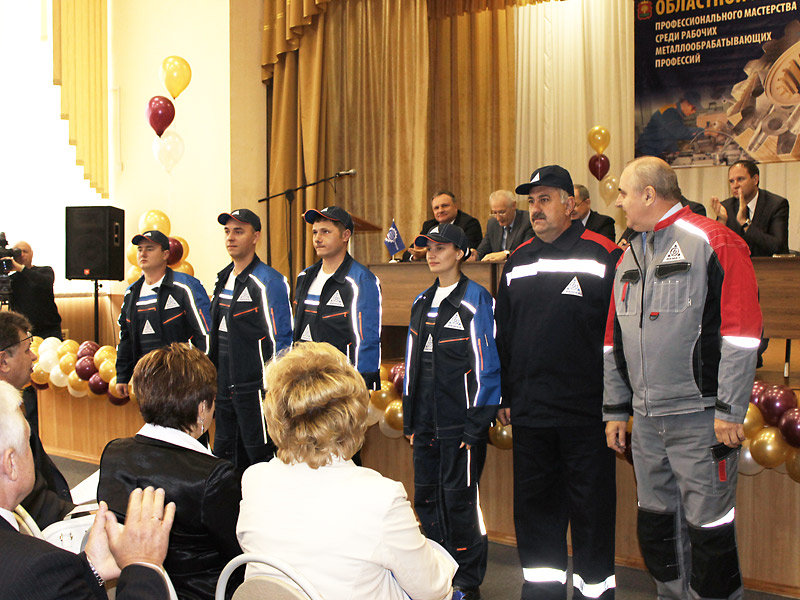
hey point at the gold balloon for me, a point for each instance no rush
(793, 464)
(394, 415)
(384, 373)
(132, 254)
(184, 267)
(599, 138)
(500, 435)
(112, 387)
(67, 363)
(609, 188)
(107, 370)
(768, 448)
(384, 395)
(134, 272)
(131, 393)
(39, 375)
(68, 347)
(36, 341)
(176, 74)
(103, 354)
(185, 245)
(76, 383)
(753, 421)
(154, 219)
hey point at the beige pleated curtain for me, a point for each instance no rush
(398, 90)
(80, 67)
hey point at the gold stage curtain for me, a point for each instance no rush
(438, 9)
(284, 24)
(80, 67)
(471, 137)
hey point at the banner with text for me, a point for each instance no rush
(717, 80)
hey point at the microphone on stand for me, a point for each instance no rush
(344, 173)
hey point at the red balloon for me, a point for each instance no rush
(117, 401)
(599, 165)
(96, 384)
(790, 427)
(756, 393)
(175, 251)
(40, 386)
(397, 375)
(88, 348)
(775, 401)
(85, 368)
(160, 113)
(396, 367)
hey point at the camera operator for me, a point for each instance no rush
(32, 293)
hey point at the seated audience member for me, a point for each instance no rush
(759, 216)
(175, 386)
(507, 228)
(445, 210)
(34, 568)
(347, 529)
(591, 219)
(695, 207)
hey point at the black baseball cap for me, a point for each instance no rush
(243, 215)
(446, 233)
(152, 236)
(332, 213)
(549, 176)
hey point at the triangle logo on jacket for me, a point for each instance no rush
(171, 303)
(244, 296)
(573, 288)
(455, 323)
(306, 337)
(223, 326)
(148, 329)
(336, 300)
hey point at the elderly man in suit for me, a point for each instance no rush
(33, 569)
(506, 230)
(759, 216)
(591, 219)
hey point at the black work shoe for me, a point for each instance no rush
(462, 593)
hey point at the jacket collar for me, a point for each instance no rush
(565, 241)
(666, 222)
(455, 297)
(244, 274)
(340, 273)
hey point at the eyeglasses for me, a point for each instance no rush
(499, 213)
(29, 337)
(577, 204)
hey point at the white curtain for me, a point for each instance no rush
(574, 71)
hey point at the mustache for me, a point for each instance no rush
(539, 215)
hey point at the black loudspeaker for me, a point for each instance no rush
(95, 242)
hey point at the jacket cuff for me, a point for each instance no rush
(617, 412)
(472, 439)
(373, 380)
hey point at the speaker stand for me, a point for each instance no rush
(96, 311)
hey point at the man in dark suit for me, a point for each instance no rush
(445, 210)
(591, 219)
(759, 216)
(507, 228)
(33, 569)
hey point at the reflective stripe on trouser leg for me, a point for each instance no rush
(593, 590)
(715, 563)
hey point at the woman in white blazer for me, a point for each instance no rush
(349, 530)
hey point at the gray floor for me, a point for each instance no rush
(503, 574)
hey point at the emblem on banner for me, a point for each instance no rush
(644, 10)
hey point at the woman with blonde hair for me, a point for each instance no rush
(347, 529)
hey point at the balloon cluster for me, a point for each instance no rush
(168, 147)
(772, 428)
(599, 138)
(85, 369)
(178, 247)
(386, 404)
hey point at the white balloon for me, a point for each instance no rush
(51, 343)
(388, 431)
(48, 360)
(57, 377)
(168, 150)
(747, 464)
(373, 415)
(76, 393)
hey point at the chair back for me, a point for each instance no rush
(70, 534)
(264, 586)
(27, 525)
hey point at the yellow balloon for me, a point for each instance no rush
(393, 415)
(185, 245)
(67, 363)
(107, 370)
(176, 74)
(768, 448)
(501, 437)
(131, 254)
(154, 219)
(39, 375)
(184, 267)
(133, 274)
(384, 373)
(76, 383)
(753, 421)
(104, 353)
(68, 347)
(381, 397)
(131, 393)
(609, 188)
(793, 464)
(112, 387)
(599, 138)
(36, 341)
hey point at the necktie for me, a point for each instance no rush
(505, 237)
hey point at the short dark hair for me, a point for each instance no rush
(583, 191)
(340, 226)
(751, 167)
(171, 382)
(11, 325)
(445, 193)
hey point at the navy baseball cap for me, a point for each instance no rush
(549, 176)
(332, 213)
(152, 236)
(446, 233)
(243, 215)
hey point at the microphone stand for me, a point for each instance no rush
(290, 197)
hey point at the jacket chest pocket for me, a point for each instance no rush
(337, 315)
(627, 293)
(671, 287)
(453, 347)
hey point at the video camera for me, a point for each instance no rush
(6, 256)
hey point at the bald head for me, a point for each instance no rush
(648, 188)
(26, 260)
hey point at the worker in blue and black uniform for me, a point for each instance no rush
(337, 299)
(552, 309)
(251, 322)
(451, 395)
